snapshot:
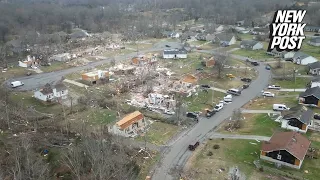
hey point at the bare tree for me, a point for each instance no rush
(221, 60)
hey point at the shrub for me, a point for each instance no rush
(209, 153)
(216, 146)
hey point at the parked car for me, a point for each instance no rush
(255, 63)
(280, 107)
(168, 46)
(29, 73)
(274, 87)
(245, 86)
(204, 86)
(236, 92)
(268, 67)
(246, 80)
(267, 94)
(230, 76)
(15, 84)
(218, 107)
(210, 113)
(316, 116)
(193, 145)
(317, 34)
(228, 98)
(199, 69)
(192, 115)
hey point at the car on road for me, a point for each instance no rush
(227, 98)
(268, 67)
(316, 116)
(15, 84)
(245, 86)
(274, 87)
(168, 46)
(199, 69)
(210, 113)
(204, 86)
(246, 80)
(316, 35)
(233, 91)
(218, 107)
(267, 94)
(193, 145)
(192, 115)
(255, 63)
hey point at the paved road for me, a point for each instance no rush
(39, 80)
(236, 136)
(249, 111)
(177, 154)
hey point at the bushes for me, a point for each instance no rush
(216, 146)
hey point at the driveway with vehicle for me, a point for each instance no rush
(177, 154)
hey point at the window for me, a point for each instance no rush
(279, 157)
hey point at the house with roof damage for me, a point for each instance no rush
(298, 118)
(225, 39)
(314, 68)
(285, 148)
(51, 94)
(310, 97)
(251, 45)
(130, 125)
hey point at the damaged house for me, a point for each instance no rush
(129, 126)
(50, 94)
(95, 77)
(30, 62)
(175, 53)
(310, 97)
(142, 60)
(298, 119)
(285, 148)
(122, 69)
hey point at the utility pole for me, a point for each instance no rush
(294, 77)
(212, 94)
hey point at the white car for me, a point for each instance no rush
(268, 94)
(218, 107)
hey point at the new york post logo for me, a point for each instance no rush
(286, 30)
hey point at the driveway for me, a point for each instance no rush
(39, 80)
(236, 136)
(177, 154)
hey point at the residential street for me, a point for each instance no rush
(39, 80)
(177, 154)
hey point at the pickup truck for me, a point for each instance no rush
(274, 87)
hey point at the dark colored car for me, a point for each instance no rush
(245, 86)
(167, 46)
(268, 67)
(246, 80)
(193, 146)
(204, 86)
(210, 113)
(316, 116)
(199, 69)
(255, 63)
(192, 115)
(316, 34)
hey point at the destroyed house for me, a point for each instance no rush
(175, 53)
(49, 93)
(310, 97)
(131, 124)
(298, 118)
(285, 148)
(95, 77)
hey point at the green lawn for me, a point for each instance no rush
(13, 72)
(287, 68)
(266, 103)
(255, 124)
(95, 116)
(255, 54)
(290, 84)
(55, 66)
(196, 43)
(203, 100)
(311, 50)
(235, 62)
(245, 36)
(159, 133)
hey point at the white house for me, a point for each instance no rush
(225, 39)
(314, 41)
(282, 54)
(250, 44)
(60, 57)
(303, 59)
(175, 35)
(314, 68)
(175, 53)
(130, 126)
(29, 62)
(48, 94)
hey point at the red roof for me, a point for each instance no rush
(293, 142)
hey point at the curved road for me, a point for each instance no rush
(177, 154)
(39, 80)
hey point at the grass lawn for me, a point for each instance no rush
(287, 69)
(290, 84)
(311, 50)
(196, 43)
(254, 124)
(159, 133)
(266, 103)
(246, 36)
(13, 72)
(209, 46)
(228, 48)
(255, 54)
(55, 66)
(95, 116)
(203, 100)
(231, 153)
(140, 46)
(235, 62)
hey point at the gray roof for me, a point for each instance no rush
(175, 51)
(301, 113)
(315, 65)
(60, 87)
(315, 91)
(224, 36)
(300, 55)
(249, 42)
(315, 40)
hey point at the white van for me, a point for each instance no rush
(16, 84)
(280, 107)
(228, 98)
